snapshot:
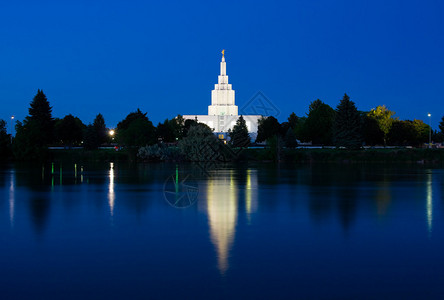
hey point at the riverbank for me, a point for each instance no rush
(298, 155)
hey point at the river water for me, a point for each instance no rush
(203, 231)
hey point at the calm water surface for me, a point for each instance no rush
(160, 231)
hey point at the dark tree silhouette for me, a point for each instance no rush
(267, 128)
(239, 136)
(135, 130)
(319, 123)
(347, 125)
(69, 130)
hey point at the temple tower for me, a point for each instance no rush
(222, 97)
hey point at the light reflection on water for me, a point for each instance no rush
(248, 223)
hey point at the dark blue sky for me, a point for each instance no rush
(163, 56)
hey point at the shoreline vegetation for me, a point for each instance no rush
(343, 132)
(265, 155)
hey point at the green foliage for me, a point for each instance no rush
(69, 130)
(135, 130)
(299, 129)
(290, 138)
(187, 125)
(239, 136)
(158, 153)
(347, 125)
(422, 131)
(275, 146)
(319, 123)
(267, 128)
(200, 144)
(384, 118)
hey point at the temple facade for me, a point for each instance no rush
(223, 112)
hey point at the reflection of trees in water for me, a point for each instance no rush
(347, 203)
(333, 188)
(39, 206)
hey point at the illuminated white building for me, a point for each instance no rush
(223, 112)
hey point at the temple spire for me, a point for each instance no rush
(223, 65)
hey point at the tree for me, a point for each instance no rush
(40, 112)
(239, 136)
(402, 133)
(290, 138)
(293, 120)
(267, 128)
(371, 133)
(300, 129)
(37, 130)
(135, 130)
(95, 134)
(200, 144)
(178, 124)
(383, 117)
(441, 125)
(187, 125)
(165, 131)
(422, 132)
(100, 130)
(347, 125)
(319, 123)
(5, 141)
(69, 130)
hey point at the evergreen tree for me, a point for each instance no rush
(40, 113)
(239, 136)
(347, 125)
(290, 138)
(36, 132)
(293, 120)
(100, 130)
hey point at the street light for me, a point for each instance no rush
(12, 125)
(430, 130)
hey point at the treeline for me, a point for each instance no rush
(347, 127)
(344, 126)
(40, 129)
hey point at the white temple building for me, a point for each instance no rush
(223, 112)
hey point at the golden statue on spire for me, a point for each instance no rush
(223, 52)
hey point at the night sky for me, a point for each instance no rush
(112, 57)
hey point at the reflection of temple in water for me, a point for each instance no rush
(222, 208)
